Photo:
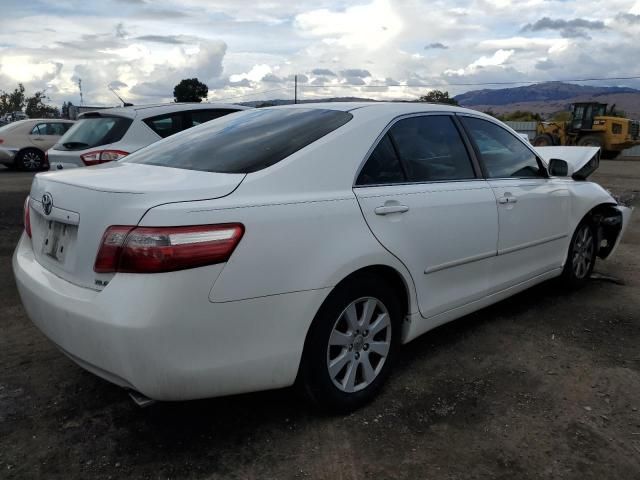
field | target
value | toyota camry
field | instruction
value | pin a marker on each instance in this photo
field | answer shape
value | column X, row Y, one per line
column 300, row 245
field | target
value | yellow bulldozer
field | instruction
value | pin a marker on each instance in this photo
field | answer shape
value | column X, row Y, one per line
column 591, row 125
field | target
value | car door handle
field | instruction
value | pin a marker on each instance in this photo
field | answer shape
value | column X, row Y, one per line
column 505, row 200
column 387, row 209
column 38, row 139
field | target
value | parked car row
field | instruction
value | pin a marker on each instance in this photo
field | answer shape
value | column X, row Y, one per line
column 294, row 245
column 100, row 136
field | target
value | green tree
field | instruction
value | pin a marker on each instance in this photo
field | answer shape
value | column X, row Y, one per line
column 190, row 90
column 36, row 108
column 12, row 101
column 438, row 96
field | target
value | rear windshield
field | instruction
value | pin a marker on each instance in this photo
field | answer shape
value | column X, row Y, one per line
column 244, row 142
column 93, row 132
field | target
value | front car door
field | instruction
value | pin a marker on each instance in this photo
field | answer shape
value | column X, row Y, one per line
column 46, row 134
column 424, row 199
column 533, row 209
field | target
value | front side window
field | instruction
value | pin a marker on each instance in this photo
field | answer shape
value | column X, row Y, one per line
column 431, row 149
column 502, row 153
column 246, row 142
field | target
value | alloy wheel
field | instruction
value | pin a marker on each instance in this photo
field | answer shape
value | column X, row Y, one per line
column 359, row 344
column 31, row 160
column 583, row 252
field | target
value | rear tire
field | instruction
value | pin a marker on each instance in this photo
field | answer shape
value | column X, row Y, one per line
column 351, row 344
column 581, row 257
column 30, row 160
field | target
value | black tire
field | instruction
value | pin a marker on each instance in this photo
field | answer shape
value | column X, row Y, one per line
column 581, row 257
column 314, row 378
column 30, row 160
column 543, row 140
column 590, row 141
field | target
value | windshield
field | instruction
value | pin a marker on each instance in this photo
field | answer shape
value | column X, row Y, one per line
column 243, row 142
column 94, row 132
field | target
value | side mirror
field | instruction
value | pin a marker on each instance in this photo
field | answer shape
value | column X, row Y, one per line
column 559, row 168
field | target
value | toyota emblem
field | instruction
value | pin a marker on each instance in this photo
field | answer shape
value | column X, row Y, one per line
column 47, row 203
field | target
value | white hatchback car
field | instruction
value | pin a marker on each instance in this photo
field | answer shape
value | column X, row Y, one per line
column 106, row 135
column 300, row 243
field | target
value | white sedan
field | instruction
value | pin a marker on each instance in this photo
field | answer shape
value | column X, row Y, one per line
column 300, row 244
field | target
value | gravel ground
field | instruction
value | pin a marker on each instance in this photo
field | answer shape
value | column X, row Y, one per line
column 543, row 385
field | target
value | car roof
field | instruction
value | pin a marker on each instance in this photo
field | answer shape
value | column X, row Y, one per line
column 145, row 111
column 383, row 108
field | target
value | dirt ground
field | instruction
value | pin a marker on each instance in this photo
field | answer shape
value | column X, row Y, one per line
column 543, row 385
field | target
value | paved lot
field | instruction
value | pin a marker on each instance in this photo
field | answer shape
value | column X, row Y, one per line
column 543, row 385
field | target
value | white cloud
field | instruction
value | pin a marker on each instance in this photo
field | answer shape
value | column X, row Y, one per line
column 363, row 26
column 495, row 60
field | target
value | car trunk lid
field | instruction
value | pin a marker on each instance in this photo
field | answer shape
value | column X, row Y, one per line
column 71, row 210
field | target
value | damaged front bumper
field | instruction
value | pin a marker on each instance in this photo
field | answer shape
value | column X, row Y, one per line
column 613, row 223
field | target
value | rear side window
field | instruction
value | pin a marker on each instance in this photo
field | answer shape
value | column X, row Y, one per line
column 502, row 153
column 198, row 117
column 89, row 132
column 383, row 166
column 431, row 149
column 247, row 142
column 167, row 124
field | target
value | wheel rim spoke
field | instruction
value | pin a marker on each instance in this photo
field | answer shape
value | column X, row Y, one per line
column 379, row 324
column 338, row 364
column 368, row 373
column 340, row 339
column 350, row 377
column 381, row 348
column 352, row 317
column 367, row 312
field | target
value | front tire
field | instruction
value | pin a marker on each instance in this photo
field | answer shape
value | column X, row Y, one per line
column 543, row 140
column 590, row 141
column 582, row 255
column 30, row 160
column 351, row 344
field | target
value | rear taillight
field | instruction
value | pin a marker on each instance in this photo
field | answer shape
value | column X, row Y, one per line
column 27, row 217
column 46, row 159
column 1, row 140
column 102, row 156
column 165, row 249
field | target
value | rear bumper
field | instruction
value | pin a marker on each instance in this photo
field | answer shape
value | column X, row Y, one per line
column 160, row 335
column 7, row 155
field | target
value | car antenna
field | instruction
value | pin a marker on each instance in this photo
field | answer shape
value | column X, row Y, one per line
column 124, row 104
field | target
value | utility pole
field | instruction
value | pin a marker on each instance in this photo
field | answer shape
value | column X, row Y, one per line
column 295, row 92
column 80, row 87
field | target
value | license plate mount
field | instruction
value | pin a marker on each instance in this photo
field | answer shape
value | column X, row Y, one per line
column 56, row 240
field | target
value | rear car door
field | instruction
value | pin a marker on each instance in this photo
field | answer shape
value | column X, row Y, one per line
column 533, row 209
column 424, row 200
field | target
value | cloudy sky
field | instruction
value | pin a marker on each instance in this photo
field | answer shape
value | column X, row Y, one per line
column 250, row 50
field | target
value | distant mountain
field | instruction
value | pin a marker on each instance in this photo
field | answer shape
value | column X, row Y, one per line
column 540, row 92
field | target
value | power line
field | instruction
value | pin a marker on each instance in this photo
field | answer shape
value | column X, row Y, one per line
column 251, row 94
column 470, row 84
